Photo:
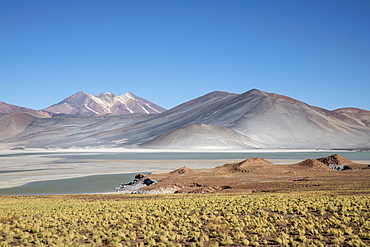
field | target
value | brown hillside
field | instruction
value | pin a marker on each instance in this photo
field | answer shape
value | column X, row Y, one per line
column 314, row 165
column 182, row 170
column 335, row 159
column 14, row 123
column 248, row 165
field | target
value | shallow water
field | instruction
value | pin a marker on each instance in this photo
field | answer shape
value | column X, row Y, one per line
column 89, row 184
column 214, row 155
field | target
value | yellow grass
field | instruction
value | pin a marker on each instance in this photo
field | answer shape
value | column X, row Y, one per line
column 185, row 220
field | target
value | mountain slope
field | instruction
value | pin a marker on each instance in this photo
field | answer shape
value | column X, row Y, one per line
column 8, row 108
column 128, row 103
column 273, row 120
column 201, row 136
column 16, row 122
column 283, row 122
column 83, row 104
column 251, row 119
column 188, row 113
column 78, row 104
column 360, row 116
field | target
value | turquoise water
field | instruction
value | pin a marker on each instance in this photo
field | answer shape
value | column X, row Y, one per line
column 353, row 155
column 215, row 156
column 90, row 184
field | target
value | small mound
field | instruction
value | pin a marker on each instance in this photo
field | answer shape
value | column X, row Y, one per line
column 182, row 170
column 249, row 165
column 314, row 165
column 335, row 159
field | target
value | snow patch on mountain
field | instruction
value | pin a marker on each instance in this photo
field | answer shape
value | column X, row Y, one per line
column 144, row 109
column 91, row 110
column 152, row 108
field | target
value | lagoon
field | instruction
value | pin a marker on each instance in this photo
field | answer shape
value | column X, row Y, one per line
column 81, row 185
column 25, row 173
column 217, row 155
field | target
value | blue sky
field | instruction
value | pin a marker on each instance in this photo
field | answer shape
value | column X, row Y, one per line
column 169, row 52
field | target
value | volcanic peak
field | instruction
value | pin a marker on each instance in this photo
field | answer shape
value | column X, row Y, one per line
column 84, row 104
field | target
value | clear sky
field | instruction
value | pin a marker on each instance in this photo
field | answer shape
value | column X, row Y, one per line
column 169, row 52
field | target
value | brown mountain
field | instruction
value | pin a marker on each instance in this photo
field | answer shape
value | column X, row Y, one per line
column 360, row 116
column 272, row 120
column 16, row 122
column 8, row 108
column 254, row 119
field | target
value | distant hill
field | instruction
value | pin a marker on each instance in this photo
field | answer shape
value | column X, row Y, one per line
column 8, row 108
column 16, row 122
column 254, row 119
column 272, row 120
column 360, row 116
column 83, row 104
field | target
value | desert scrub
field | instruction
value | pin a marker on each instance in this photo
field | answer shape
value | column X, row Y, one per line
column 185, row 220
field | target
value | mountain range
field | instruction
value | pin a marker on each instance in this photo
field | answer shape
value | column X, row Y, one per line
column 218, row 120
column 84, row 104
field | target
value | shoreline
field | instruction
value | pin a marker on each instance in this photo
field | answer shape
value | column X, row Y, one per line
column 125, row 150
column 20, row 167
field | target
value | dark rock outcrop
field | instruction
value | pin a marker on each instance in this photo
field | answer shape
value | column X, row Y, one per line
column 132, row 187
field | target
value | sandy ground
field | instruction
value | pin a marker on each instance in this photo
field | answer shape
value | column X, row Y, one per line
column 18, row 167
